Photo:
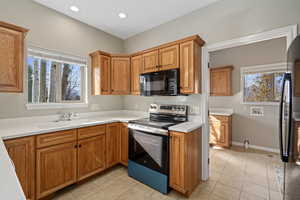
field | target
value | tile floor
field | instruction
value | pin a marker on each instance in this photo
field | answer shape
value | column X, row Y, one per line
column 235, row 175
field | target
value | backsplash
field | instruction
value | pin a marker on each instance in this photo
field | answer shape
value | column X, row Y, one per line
column 142, row 103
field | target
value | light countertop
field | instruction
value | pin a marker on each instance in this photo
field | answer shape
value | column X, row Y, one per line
column 21, row 127
column 186, row 127
column 221, row 111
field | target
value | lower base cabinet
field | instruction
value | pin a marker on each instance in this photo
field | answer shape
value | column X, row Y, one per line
column 22, row 154
column 66, row 157
column 112, row 144
column 220, row 130
column 56, row 168
column 185, row 161
column 124, row 145
column 91, row 156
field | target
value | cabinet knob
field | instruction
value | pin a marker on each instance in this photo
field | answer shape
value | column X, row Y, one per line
column 75, row 146
column 79, row 145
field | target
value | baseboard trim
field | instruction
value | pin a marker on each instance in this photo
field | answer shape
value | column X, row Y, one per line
column 257, row 147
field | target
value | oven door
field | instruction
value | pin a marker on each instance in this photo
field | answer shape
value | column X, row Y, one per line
column 163, row 83
column 150, row 150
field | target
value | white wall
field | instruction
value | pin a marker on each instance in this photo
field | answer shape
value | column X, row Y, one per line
column 261, row 131
column 224, row 20
column 52, row 30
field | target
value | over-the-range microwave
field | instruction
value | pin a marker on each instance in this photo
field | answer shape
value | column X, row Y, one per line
column 162, row 83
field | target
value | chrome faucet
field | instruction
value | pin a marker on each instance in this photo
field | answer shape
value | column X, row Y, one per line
column 67, row 116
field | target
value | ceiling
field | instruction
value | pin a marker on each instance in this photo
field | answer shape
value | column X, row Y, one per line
column 142, row 15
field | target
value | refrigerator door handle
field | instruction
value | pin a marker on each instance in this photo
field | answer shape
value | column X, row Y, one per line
column 285, row 115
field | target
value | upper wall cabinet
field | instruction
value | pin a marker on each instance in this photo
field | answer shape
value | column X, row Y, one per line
column 190, row 67
column 11, row 57
column 150, row 61
column 120, row 75
column 136, row 65
column 169, row 57
column 220, row 81
column 101, row 69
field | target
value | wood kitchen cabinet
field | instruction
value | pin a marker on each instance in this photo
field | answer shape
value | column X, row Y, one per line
column 112, row 144
column 296, row 140
column 220, row 130
column 56, row 168
column 136, row 66
column 190, row 67
column 91, row 150
column 101, row 73
column 221, row 81
column 169, row 57
column 120, row 75
column 185, row 161
column 297, row 80
column 11, row 57
column 150, row 61
column 22, row 153
column 124, row 144
column 91, row 156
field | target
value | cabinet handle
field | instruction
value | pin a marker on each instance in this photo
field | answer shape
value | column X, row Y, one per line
column 79, row 145
column 75, row 146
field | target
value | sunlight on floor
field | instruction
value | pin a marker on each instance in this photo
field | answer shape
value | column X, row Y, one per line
column 235, row 175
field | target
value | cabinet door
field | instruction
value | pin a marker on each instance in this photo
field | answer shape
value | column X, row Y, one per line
column 136, row 65
column 56, row 168
column 120, row 76
column 169, row 57
column 220, row 130
column 296, row 140
column 150, row 61
column 21, row 152
column 124, row 144
column 177, row 161
column 91, row 156
column 101, row 74
column 220, row 81
column 190, row 68
column 105, row 63
column 296, row 79
column 112, row 144
column 11, row 59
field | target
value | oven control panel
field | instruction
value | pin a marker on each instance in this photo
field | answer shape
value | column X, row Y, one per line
column 168, row 109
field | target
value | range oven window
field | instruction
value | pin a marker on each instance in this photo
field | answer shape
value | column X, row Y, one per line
column 149, row 150
column 160, row 83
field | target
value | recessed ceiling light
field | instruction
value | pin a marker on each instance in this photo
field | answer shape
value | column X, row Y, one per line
column 122, row 15
column 74, row 8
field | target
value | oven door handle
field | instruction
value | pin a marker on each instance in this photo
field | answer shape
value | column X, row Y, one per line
column 148, row 129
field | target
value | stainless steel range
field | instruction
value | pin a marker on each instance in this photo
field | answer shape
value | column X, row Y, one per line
column 149, row 145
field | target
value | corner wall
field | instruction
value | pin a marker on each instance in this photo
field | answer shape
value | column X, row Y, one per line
column 52, row 30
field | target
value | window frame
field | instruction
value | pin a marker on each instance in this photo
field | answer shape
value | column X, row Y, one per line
column 263, row 69
column 61, row 59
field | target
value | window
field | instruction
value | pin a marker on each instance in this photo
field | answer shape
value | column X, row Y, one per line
column 262, row 84
column 55, row 79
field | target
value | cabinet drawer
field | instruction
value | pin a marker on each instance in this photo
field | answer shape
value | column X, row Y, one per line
column 59, row 137
column 91, row 131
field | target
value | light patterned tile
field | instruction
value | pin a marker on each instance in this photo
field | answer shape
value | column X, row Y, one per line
column 250, row 196
column 226, row 192
column 255, row 189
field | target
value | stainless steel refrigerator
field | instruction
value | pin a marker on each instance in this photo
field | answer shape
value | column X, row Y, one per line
column 288, row 136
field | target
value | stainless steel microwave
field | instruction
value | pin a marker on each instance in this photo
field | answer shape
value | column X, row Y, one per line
column 162, row 83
